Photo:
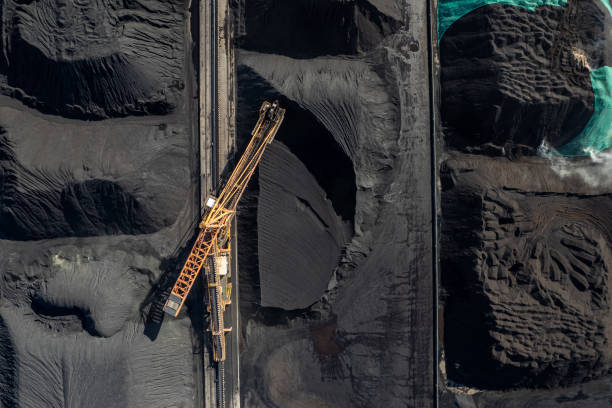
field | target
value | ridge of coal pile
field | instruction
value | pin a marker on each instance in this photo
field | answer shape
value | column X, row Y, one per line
column 334, row 253
column 87, row 208
column 93, row 60
column 525, row 250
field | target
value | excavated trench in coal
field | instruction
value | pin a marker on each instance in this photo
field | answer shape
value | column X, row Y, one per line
column 68, row 318
column 465, row 327
column 311, row 28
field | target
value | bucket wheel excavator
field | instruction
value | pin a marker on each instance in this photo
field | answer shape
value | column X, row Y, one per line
column 212, row 246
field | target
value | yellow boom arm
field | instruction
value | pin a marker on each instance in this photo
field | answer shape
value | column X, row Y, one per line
column 213, row 238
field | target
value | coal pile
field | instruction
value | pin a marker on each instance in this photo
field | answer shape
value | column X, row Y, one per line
column 525, row 237
column 526, row 271
column 93, row 60
column 336, row 301
column 93, row 209
column 509, row 75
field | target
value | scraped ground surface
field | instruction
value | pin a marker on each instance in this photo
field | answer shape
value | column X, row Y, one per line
column 91, row 212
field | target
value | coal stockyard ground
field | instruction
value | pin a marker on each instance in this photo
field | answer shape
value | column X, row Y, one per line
column 426, row 230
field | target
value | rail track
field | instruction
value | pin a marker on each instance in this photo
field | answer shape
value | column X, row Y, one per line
column 214, row 107
column 215, row 154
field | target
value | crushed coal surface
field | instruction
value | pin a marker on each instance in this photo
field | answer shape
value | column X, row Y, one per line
column 510, row 75
column 524, row 247
column 525, row 271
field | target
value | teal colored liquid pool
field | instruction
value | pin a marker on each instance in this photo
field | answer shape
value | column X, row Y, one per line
column 597, row 134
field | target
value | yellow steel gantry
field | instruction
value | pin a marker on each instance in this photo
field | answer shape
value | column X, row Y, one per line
column 212, row 247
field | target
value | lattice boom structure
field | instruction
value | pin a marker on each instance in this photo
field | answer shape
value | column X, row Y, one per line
column 212, row 247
